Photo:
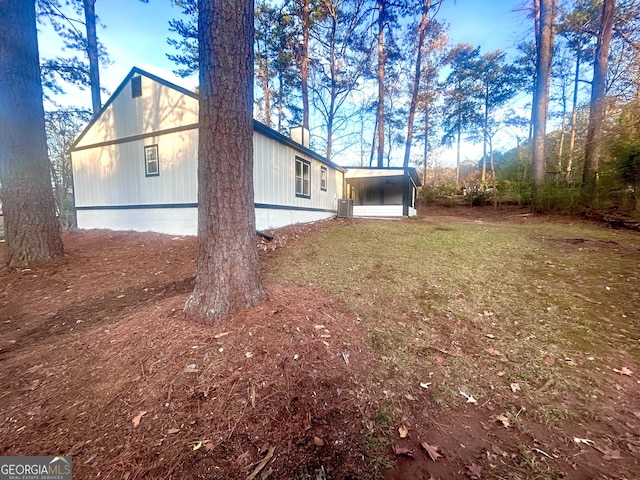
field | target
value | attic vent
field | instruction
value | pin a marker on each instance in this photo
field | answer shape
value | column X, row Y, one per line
column 136, row 87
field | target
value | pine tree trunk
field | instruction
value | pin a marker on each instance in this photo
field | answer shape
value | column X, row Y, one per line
column 485, row 135
column 422, row 29
column 228, row 276
column 544, row 45
column 261, row 65
column 574, row 114
column 92, row 53
column 333, row 92
column 31, row 228
column 425, row 154
column 596, row 110
column 381, row 63
column 459, row 143
column 561, row 143
column 306, row 19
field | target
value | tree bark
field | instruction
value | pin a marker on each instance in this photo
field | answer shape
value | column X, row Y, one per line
column 458, row 145
column 32, row 230
column 381, row 64
column 422, row 30
column 597, row 104
column 304, row 68
column 262, row 65
column 425, row 154
column 485, row 134
column 574, row 113
column 92, row 53
column 228, row 275
column 545, row 32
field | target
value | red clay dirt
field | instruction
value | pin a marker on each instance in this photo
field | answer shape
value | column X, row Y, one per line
column 97, row 361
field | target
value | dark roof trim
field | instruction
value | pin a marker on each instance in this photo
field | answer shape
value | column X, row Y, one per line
column 257, row 126
column 412, row 172
column 271, row 133
column 146, row 206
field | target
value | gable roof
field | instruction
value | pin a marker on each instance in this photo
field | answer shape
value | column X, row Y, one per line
column 257, row 126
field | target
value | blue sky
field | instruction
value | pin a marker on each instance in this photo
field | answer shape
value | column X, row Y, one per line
column 135, row 35
column 494, row 25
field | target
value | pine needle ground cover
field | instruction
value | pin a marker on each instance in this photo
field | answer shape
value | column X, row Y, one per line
column 463, row 344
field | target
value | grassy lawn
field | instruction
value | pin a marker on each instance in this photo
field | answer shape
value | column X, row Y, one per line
column 529, row 318
column 505, row 345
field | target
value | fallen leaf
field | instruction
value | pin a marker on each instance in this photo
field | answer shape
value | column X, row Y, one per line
column 172, row 431
column 410, row 397
column 475, row 470
column 402, row 451
column 345, row 357
column 248, row 354
column 137, row 418
column 611, row 454
column 35, row 410
column 493, row 351
column 244, row 458
column 515, row 387
column 469, row 398
column 485, row 425
column 77, row 448
column 623, row 371
column 425, row 385
column 318, row 441
column 432, row 451
column 403, row 431
column 505, row 421
column 498, row 451
column 489, row 335
column 586, row 441
column 306, row 422
column 203, row 443
column 34, row 368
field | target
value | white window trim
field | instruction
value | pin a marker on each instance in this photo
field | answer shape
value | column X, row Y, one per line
column 147, row 171
column 305, row 165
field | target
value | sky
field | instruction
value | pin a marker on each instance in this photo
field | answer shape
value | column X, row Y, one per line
column 135, row 34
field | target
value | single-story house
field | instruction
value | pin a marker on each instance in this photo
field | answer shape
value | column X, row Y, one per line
column 382, row 192
column 135, row 166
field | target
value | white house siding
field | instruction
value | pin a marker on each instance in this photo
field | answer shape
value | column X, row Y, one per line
column 274, row 176
column 114, row 175
column 377, row 211
column 159, row 108
column 172, row 221
column 113, row 192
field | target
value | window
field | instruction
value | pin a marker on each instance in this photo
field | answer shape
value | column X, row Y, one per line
column 136, row 87
column 151, row 163
column 323, row 179
column 303, row 177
